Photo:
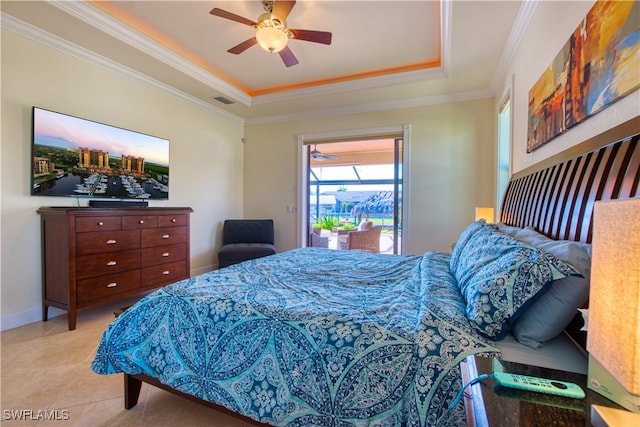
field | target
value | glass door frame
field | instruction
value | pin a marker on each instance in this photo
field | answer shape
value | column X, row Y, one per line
column 305, row 141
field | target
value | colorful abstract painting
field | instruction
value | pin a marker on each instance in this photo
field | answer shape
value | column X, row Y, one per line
column 599, row 65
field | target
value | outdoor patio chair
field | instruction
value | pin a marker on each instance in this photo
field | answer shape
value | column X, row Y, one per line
column 317, row 241
column 366, row 240
column 343, row 235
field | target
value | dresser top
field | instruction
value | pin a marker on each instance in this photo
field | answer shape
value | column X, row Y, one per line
column 90, row 210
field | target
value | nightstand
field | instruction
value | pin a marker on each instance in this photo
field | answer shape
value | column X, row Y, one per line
column 496, row 407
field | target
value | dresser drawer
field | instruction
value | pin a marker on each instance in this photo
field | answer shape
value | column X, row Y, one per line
column 163, row 254
column 163, row 236
column 105, row 287
column 107, row 263
column 139, row 221
column 164, row 274
column 97, row 223
column 172, row 220
column 107, row 241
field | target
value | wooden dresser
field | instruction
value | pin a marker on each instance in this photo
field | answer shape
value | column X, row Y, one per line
column 94, row 255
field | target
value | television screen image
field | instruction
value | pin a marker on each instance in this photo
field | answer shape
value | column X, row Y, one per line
column 76, row 157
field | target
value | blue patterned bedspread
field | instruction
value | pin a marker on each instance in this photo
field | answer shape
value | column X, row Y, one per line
column 307, row 337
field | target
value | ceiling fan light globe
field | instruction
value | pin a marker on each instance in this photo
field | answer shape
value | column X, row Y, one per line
column 271, row 39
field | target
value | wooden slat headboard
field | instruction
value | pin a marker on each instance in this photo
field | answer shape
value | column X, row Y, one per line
column 556, row 197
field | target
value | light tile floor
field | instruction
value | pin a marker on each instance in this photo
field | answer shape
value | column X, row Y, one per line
column 46, row 367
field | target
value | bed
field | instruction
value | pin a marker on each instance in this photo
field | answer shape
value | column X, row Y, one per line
column 314, row 336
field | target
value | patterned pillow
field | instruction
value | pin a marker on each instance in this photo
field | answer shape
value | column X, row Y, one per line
column 500, row 276
column 466, row 234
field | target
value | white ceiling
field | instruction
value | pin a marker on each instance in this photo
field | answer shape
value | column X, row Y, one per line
column 384, row 54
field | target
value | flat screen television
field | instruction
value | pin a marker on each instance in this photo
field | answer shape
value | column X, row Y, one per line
column 76, row 157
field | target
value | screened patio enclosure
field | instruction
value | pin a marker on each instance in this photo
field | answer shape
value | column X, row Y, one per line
column 355, row 181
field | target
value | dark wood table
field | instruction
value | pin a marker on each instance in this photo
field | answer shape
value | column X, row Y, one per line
column 489, row 405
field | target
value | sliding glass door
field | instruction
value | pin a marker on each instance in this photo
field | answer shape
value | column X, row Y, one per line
column 354, row 182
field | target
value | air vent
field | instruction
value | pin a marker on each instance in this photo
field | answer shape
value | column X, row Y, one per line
column 223, row 100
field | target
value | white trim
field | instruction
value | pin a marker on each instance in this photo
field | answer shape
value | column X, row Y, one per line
column 33, row 315
column 102, row 21
column 520, row 25
column 351, row 133
column 445, row 33
column 303, row 170
column 406, row 187
column 114, row 28
column 351, row 85
column 26, row 30
column 96, row 18
column 303, row 187
column 22, row 318
column 368, row 108
column 507, row 93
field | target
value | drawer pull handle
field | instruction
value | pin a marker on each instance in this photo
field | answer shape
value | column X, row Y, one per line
column 173, row 220
column 141, row 221
column 165, row 236
column 111, row 242
column 166, row 254
column 165, row 273
column 112, row 285
column 111, row 263
column 100, row 224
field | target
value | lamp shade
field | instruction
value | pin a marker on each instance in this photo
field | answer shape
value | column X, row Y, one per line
column 613, row 337
column 485, row 213
column 271, row 39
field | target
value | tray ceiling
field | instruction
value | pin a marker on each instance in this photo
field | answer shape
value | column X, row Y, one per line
column 383, row 54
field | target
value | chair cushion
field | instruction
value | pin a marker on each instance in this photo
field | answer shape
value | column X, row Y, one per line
column 365, row 225
column 245, row 251
column 248, row 231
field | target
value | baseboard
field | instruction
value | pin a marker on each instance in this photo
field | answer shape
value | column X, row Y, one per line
column 22, row 318
column 202, row 270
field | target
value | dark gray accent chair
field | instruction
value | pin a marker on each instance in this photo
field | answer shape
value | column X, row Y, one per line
column 245, row 239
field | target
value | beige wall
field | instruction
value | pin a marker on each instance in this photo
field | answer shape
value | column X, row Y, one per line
column 451, row 148
column 451, row 166
column 549, row 30
column 206, row 157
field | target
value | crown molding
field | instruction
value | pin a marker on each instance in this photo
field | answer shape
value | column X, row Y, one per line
column 445, row 32
column 351, row 85
column 96, row 18
column 31, row 32
column 520, row 26
column 369, row 108
column 103, row 22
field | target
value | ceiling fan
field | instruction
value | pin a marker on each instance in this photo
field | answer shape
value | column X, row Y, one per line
column 316, row 155
column 272, row 33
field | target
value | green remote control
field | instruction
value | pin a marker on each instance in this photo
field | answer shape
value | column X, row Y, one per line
column 542, row 385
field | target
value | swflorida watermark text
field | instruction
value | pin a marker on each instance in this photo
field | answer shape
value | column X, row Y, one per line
column 35, row 414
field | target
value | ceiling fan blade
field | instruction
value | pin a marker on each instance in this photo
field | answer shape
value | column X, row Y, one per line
column 281, row 9
column 322, row 157
column 288, row 57
column 232, row 16
column 317, row 155
column 323, row 37
column 238, row 49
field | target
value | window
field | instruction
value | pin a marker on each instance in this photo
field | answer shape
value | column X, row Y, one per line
column 504, row 148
